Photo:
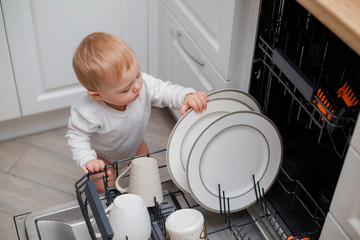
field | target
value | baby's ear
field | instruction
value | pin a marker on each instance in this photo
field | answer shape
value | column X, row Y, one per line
column 95, row 95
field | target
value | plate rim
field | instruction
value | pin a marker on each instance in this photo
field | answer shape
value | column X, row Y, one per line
column 275, row 174
column 176, row 127
column 243, row 93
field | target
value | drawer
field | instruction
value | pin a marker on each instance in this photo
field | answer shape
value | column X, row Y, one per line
column 210, row 24
column 221, row 29
column 183, row 62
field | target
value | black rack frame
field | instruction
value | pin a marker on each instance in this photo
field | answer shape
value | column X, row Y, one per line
column 262, row 210
column 311, row 63
column 282, row 69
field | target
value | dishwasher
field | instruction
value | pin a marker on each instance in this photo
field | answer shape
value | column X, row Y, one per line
column 86, row 219
column 260, row 221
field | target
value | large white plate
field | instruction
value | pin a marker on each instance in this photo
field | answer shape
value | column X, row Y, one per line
column 238, row 95
column 229, row 152
column 185, row 132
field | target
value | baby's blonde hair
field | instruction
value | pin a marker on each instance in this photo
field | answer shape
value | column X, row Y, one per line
column 101, row 57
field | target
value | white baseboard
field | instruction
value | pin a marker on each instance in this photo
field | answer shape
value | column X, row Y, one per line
column 32, row 124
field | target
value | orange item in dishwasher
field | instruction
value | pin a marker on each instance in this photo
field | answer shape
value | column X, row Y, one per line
column 347, row 94
column 324, row 110
column 295, row 238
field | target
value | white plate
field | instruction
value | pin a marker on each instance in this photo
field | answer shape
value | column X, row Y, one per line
column 236, row 94
column 229, row 152
column 185, row 132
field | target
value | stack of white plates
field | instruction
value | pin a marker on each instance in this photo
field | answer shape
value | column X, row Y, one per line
column 227, row 145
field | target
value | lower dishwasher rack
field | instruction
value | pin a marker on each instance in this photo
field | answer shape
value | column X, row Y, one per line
column 286, row 211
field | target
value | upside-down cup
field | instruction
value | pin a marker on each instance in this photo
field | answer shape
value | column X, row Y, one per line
column 185, row 224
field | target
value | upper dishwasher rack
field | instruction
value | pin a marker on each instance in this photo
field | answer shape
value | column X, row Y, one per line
column 318, row 74
column 315, row 102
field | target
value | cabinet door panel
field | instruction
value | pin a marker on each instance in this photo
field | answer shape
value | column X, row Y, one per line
column 345, row 206
column 332, row 230
column 57, row 36
column 224, row 30
column 179, row 67
column 210, row 24
column 178, row 60
column 43, row 36
column 9, row 104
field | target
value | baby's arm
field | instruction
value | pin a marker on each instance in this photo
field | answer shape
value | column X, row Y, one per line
column 173, row 95
column 82, row 124
column 197, row 101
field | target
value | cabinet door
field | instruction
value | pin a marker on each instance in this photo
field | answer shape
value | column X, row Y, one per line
column 210, row 24
column 183, row 62
column 43, row 35
column 9, row 104
column 332, row 230
column 217, row 27
column 345, row 206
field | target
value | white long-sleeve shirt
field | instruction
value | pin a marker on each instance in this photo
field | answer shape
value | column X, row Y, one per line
column 95, row 128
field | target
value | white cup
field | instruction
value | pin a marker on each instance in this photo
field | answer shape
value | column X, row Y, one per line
column 129, row 217
column 144, row 180
column 185, row 224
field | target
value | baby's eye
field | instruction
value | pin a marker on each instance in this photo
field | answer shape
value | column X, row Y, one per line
column 124, row 91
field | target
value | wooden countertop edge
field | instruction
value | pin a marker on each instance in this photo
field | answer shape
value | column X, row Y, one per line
column 332, row 16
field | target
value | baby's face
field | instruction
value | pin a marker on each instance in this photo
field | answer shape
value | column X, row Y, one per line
column 118, row 94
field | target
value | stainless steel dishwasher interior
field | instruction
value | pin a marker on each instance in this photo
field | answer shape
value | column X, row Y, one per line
column 259, row 221
column 63, row 221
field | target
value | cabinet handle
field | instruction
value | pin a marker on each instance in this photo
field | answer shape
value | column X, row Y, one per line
column 197, row 60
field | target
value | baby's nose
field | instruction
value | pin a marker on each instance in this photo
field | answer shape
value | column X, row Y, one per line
column 137, row 87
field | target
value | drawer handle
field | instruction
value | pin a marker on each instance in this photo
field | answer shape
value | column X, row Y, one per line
column 197, row 60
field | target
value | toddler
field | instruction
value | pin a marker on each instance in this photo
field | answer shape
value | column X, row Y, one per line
column 109, row 123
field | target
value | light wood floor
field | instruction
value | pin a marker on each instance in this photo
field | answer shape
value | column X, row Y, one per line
column 37, row 171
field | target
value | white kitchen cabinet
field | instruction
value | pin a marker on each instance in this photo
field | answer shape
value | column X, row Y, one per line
column 332, row 230
column 223, row 30
column 217, row 35
column 343, row 218
column 183, row 62
column 345, row 207
column 208, row 45
column 37, row 41
column 43, row 35
column 210, row 23
column 9, row 104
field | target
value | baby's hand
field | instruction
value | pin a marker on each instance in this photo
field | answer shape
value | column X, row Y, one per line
column 196, row 101
column 94, row 165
